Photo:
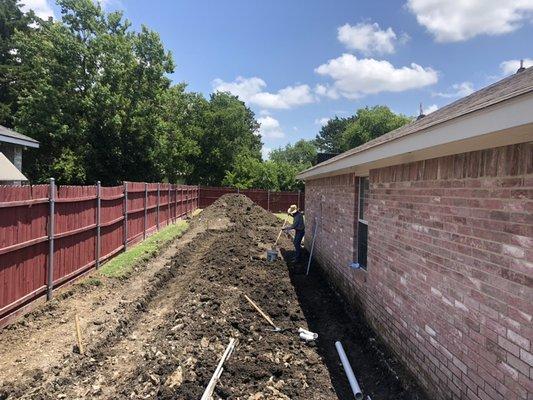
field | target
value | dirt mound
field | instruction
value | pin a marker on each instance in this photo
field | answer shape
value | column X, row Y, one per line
column 167, row 343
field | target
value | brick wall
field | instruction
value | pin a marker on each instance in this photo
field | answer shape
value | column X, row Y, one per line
column 449, row 285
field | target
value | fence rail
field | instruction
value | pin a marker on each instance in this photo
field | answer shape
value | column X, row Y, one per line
column 50, row 235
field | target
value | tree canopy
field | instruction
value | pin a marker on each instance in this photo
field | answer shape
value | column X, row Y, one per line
column 97, row 96
column 329, row 139
column 370, row 123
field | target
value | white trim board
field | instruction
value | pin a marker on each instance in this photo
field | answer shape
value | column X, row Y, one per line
column 503, row 124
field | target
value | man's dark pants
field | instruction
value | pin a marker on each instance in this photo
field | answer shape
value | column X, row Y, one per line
column 298, row 236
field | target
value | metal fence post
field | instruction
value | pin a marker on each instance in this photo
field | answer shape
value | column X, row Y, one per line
column 125, row 216
column 145, row 209
column 51, row 226
column 169, row 203
column 98, row 222
column 158, row 195
column 299, row 199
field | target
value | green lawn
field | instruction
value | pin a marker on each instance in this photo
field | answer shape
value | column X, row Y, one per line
column 122, row 265
column 282, row 216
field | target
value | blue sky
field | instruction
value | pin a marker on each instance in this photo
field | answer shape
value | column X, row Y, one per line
column 297, row 63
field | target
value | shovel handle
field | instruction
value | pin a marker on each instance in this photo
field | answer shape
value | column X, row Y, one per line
column 281, row 230
column 265, row 316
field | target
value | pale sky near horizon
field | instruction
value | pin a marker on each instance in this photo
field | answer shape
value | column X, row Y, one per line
column 298, row 63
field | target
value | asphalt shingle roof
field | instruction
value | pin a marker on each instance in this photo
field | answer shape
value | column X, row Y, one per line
column 11, row 133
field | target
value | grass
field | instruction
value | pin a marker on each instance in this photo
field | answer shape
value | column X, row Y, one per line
column 90, row 282
column 124, row 263
column 282, row 216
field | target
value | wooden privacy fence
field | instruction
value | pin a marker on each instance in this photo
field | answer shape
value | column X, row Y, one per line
column 269, row 200
column 50, row 235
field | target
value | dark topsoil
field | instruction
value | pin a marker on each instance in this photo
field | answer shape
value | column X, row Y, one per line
column 205, row 286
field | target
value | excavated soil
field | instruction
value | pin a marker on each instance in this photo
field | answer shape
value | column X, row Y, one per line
column 165, row 341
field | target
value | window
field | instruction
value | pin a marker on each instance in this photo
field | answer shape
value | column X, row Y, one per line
column 362, row 224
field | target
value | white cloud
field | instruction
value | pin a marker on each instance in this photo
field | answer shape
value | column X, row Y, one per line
column 41, row 8
column 453, row 21
column 326, row 91
column 251, row 90
column 457, row 90
column 321, row 121
column 270, row 128
column 430, row 109
column 354, row 78
column 367, row 38
column 510, row 67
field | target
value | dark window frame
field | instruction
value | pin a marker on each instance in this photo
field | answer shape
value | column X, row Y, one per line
column 362, row 224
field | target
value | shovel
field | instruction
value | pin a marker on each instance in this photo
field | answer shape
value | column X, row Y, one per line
column 272, row 254
column 264, row 315
column 280, row 232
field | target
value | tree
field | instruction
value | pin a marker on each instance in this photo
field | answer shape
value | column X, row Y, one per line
column 92, row 91
column 229, row 130
column 370, row 123
column 251, row 173
column 12, row 19
column 302, row 153
column 329, row 139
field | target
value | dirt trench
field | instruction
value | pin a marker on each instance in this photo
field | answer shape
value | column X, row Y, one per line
column 165, row 342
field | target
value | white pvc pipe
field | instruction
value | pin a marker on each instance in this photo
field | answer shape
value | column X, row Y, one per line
column 349, row 372
column 208, row 393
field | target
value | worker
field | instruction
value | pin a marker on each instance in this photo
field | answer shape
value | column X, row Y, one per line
column 299, row 230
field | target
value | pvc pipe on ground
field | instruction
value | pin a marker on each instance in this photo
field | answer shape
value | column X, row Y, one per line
column 349, row 372
column 218, row 371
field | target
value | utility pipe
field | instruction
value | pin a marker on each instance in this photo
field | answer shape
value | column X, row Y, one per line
column 349, row 372
column 208, row 393
column 312, row 247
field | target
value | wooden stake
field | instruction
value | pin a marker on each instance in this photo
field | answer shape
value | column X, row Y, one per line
column 78, row 334
column 263, row 314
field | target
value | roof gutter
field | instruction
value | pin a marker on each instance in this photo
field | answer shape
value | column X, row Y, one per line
column 505, row 123
column 21, row 142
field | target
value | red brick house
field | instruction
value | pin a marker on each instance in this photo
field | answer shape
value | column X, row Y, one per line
column 428, row 231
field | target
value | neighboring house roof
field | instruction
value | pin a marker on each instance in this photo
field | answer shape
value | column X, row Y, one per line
column 507, row 89
column 10, row 136
column 8, row 172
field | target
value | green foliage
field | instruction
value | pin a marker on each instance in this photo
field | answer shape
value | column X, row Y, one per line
column 251, row 173
column 302, row 153
column 277, row 173
column 97, row 96
column 329, row 139
column 370, row 123
column 12, row 19
column 229, row 132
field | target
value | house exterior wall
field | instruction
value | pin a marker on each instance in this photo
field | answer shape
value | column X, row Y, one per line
column 449, row 285
column 13, row 153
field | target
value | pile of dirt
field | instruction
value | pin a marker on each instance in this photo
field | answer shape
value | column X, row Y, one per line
column 167, row 343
